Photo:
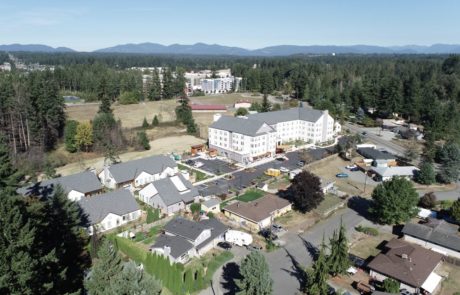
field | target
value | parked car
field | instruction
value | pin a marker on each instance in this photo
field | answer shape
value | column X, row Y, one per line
column 341, row 175
column 364, row 133
column 300, row 163
column 225, row 245
column 284, row 169
column 351, row 166
column 198, row 164
column 254, row 247
column 277, row 226
column 190, row 162
column 280, row 159
column 354, row 169
column 268, row 234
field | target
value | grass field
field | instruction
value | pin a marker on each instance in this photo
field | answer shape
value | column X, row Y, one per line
column 248, row 196
column 366, row 245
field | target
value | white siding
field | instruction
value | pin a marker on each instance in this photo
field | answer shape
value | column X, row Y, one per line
column 431, row 246
column 75, row 196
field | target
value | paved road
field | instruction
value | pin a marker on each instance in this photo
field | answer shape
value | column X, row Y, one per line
column 390, row 146
column 446, row 195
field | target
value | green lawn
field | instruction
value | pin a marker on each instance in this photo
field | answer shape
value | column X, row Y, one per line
column 248, row 196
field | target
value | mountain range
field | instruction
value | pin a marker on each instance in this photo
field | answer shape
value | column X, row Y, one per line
column 215, row 49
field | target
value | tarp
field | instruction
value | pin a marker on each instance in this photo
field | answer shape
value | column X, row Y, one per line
column 432, row 282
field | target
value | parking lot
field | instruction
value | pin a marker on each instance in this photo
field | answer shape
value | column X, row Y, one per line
column 216, row 166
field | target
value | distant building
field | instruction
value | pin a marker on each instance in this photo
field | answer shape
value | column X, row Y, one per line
column 208, row 108
column 212, row 205
column 376, row 157
column 6, row 66
column 387, row 173
column 245, row 104
column 218, row 85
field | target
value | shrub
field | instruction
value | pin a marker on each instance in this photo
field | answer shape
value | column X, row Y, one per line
column 195, row 208
column 367, row 230
column 143, row 140
column 428, row 200
column 153, row 215
column 128, row 97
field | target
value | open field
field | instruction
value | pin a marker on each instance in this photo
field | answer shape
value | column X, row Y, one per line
column 449, row 285
column 159, row 146
column 329, row 204
column 365, row 245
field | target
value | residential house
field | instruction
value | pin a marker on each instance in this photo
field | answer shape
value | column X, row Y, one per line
column 257, row 214
column 76, row 186
column 435, row 235
column 212, row 205
column 110, row 210
column 170, row 194
column 138, row 173
column 412, row 265
column 248, row 139
column 184, row 239
column 387, row 173
column 378, row 158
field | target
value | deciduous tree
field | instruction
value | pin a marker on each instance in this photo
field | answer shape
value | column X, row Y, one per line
column 305, row 191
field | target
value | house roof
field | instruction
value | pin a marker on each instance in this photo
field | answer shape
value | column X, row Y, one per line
column 304, row 114
column 190, row 230
column 172, row 190
column 178, row 245
column 208, row 107
column 408, row 263
column 395, row 171
column 259, row 209
column 440, row 233
column 84, row 182
column 217, row 229
column 127, row 171
column 118, row 202
column 211, row 202
column 241, row 125
column 371, row 153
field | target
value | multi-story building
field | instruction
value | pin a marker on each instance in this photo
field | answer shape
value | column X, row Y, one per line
column 218, row 85
column 247, row 139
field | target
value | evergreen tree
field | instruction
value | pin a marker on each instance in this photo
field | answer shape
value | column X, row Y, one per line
column 155, row 121
column 154, row 91
column 241, row 112
column 426, row 174
column 256, row 275
column 143, row 140
column 394, row 201
column 316, row 283
column 105, row 269
column 450, row 162
column 455, row 210
column 9, row 177
column 132, row 281
column 428, row 201
column 145, row 124
column 338, row 260
column 266, row 105
column 168, row 84
column 69, row 136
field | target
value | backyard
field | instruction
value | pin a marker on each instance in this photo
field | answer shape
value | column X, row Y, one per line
column 248, row 196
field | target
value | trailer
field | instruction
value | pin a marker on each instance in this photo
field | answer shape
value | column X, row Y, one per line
column 238, row 237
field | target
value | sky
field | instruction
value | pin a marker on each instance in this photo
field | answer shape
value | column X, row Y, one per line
column 86, row 25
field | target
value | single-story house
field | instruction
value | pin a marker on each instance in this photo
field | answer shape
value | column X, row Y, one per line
column 379, row 158
column 242, row 104
column 387, row 173
column 137, row 173
column 170, row 194
column 412, row 265
column 208, row 108
column 257, row 214
column 76, row 186
column 435, row 235
column 184, row 239
column 327, row 186
column 110, row 210
column 211, row 205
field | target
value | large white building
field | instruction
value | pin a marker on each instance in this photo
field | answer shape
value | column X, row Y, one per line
column 218, row 85
column 247, row 139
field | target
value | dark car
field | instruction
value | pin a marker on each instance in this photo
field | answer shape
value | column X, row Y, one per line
column 280, row 159
column 354, row 169
column 190, row 162
column 268, row 234
column 225, row 245
column 301, row 163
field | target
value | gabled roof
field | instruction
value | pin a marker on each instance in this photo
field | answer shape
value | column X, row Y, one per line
column 259, row 209
column 440, row 233
column 395, row 171
column 127, row 171
column 375, row 154
column 84, row 182
column 217, row 229
column 118, row 202
column 304, row 114
column 172, row 190
column 190, row 230
column 241, row 125
column 211, row 202
column 178, row 245
column 408, row 263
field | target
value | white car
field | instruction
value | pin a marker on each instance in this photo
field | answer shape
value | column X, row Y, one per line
column 198, row 164
column 284, row 169
column 351, row 166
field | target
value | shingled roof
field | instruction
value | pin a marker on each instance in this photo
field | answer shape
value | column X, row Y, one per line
column 127, row 171
column 84, row 182
column 170, row 193
column 304, row 114
column 241, row 125
column 178, row 245
column 436, row 232
column 119, row 202
column 408, row 263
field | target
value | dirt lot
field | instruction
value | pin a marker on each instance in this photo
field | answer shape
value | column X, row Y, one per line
column 329, row 168
column 159, row 146
column 450, row 284
column 365, row 245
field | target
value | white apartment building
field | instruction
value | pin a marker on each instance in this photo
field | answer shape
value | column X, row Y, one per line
column 247, row 139
column 218, row 85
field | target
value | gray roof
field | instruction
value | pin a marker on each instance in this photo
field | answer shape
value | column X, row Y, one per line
column 240, row 125
column 375, row 154
column 169, row 193
column 217, row 229
column 84, row 182
column 304, row 114
column 118, row 202
column 211, row 202
column 178, row 245
column 191, row 230
column 127, row 171
column 440, row 233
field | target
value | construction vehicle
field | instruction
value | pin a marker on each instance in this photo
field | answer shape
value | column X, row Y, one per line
column 273, row 172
